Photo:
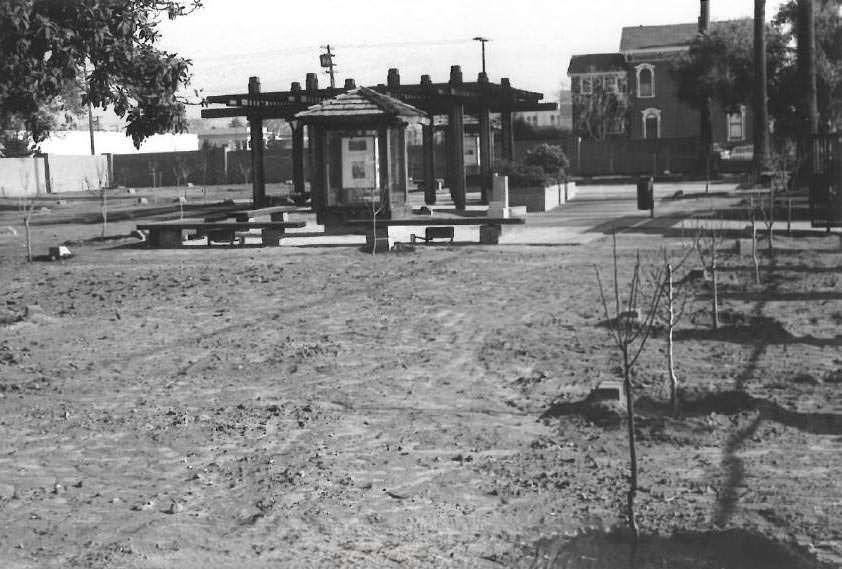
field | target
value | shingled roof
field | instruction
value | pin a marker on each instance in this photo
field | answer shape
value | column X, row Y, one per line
column 674, row 35
column 597, row 62
column 362, row 102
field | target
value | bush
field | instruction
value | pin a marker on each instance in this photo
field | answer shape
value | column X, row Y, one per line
column 520, row 175
column 551, row 159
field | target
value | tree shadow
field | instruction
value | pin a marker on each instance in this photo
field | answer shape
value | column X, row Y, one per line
column 758, row 331
column 731, row 549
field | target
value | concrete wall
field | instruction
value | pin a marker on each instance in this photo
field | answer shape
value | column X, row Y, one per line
column 77, row 173
column 20, row 177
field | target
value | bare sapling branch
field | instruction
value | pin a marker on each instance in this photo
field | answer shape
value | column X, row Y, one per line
column 629, row 330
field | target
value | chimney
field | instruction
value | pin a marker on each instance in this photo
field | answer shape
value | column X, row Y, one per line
column 295, row 87
column 311, row 83
column 482, row 77
column 350, row 83
column 426, row 81
column 505, row 83
column 254, row 85
column 704, row 17
column 393, row 80
column 455, row 75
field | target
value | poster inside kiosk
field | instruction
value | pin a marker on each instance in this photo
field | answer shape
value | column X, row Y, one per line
column 360, row 169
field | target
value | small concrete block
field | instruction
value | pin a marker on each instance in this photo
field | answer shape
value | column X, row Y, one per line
column 517, row 211
column 60, row 252
column 279, row 216
column 272, row 236
column 489, row 234
column 131, row 191
column 142, row 201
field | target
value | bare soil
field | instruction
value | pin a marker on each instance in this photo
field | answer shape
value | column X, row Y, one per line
column 319, row 407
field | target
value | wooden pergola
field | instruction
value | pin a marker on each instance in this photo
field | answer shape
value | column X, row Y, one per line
column 453, row 99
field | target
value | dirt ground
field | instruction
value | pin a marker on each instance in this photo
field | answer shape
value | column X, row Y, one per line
column 319, row 407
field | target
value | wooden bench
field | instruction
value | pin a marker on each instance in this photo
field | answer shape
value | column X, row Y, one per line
column 171, row 233
column 490, row 228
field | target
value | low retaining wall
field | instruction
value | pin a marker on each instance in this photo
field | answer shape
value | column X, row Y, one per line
column 545, row 198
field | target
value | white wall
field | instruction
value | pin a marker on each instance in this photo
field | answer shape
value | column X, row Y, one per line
column 20, row 177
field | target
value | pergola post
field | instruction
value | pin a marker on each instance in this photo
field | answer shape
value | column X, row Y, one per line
column 485, row 154
column 456, row 148
column 256, row 127
column 298, row 158
column 508, row 125
column 429, row 162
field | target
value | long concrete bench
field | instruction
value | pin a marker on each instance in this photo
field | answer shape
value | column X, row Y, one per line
column 171, row 234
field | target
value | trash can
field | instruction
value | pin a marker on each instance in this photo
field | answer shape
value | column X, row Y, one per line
column 645, row 189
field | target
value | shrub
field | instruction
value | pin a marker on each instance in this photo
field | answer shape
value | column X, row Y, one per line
column 551, row 159
column 520, row 175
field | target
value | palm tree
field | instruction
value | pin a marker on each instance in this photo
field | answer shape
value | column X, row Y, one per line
column 761, row 112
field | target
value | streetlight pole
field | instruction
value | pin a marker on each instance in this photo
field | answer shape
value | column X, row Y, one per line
column 483, row 41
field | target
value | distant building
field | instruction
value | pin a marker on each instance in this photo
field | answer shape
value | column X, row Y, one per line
column 561, row 118
column 644, row 102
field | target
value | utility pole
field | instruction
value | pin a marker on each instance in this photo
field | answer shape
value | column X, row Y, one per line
column 483, row 41
column 705, row 128
column 326, row 61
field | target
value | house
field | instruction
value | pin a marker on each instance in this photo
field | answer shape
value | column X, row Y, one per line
column 632, row 92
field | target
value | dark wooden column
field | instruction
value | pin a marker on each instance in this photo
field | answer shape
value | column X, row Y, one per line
column 485, row 153
column 429, row 163
column 298, row 158
column 508, row 135
column 456, row 156
column 508, row 124
column 256, row 126
column 456, row 144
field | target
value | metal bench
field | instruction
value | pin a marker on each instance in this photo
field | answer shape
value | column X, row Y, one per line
column 433, row 233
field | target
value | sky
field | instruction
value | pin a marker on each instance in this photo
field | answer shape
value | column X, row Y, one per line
column 531, row 40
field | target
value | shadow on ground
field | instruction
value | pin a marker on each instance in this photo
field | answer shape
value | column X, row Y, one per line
column 731, row 549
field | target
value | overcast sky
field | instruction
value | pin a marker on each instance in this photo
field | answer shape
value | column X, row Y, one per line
column 532, row 40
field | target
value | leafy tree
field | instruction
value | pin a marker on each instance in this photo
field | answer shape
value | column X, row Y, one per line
column 828, row 33
column 45, row 45
column 720, row 65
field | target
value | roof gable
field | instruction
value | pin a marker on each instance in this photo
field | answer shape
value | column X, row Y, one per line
column 674, row 35
column 362, row 102
column 596, row 63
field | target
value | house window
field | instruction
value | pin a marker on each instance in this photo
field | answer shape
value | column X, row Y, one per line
column 622, row 85
column 736, row 124
column 616, row 126
column 651, row 123
column 645, row 80
column 611, row 84
column 575, row 84
column 587, row 86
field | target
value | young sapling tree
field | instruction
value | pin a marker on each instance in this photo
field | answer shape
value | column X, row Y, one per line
column 630, row 329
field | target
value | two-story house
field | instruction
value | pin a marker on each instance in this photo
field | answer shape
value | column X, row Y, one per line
column 649, row 95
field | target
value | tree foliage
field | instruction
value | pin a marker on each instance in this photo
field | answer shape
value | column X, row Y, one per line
column 46, row 44
column 720, row 66
column 828, row 21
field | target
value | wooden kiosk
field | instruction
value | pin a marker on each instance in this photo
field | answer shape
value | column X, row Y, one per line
column 359, row 155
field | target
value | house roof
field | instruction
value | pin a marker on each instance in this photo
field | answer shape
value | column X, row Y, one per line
column 361, row 102
column 674, row 35
column 596, row 62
